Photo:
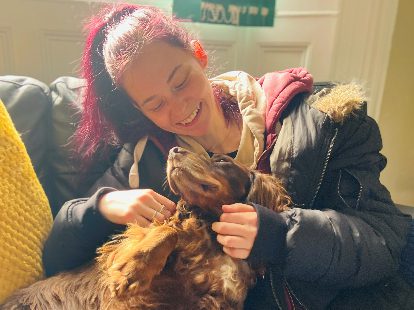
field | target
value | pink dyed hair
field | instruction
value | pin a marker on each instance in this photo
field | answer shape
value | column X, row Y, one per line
column 109, row 117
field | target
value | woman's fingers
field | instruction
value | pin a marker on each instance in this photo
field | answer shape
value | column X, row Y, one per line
column 236, row 253
column 152, row 210
column 141, row 221
column 237, row 207
column 237, row 229
column 234, row 229
column 245, row 218
column 153, row 206
column 164, row 201
column 157, row 207
column 233, row 242
column 135, row 206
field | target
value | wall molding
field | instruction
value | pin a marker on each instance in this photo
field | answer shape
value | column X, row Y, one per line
column 295, row 47
column 51, row 39
column 301, row 14
column 59, row 1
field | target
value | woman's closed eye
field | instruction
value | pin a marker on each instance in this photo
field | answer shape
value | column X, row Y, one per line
column 181, row 84
column 156, row 106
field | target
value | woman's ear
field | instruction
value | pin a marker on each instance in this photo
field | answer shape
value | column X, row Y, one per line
column 199, row 53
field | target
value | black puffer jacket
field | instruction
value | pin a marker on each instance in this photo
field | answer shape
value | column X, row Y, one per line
column 344, row 233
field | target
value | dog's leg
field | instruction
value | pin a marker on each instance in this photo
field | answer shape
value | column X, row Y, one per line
column 133, row 263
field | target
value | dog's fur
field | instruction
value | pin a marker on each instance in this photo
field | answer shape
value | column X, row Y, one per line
column 173, row 265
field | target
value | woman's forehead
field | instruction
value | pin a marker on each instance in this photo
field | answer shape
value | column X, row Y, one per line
column 155, row 65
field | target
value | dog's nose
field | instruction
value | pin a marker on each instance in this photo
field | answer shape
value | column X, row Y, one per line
column 178, row 150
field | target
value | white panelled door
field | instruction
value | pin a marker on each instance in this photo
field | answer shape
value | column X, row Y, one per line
column 336, row 40
column 303, row 35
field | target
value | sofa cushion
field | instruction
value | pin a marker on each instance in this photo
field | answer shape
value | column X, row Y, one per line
column 25, row 217
column 68, row 182
column 66, row 94
column 29, row 104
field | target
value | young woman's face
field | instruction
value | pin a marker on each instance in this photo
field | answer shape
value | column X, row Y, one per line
column 169, row 86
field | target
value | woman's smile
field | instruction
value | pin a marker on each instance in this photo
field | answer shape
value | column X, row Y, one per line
column 192, row 118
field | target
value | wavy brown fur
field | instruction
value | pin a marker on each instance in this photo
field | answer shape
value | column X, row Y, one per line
column 264, row 193
column 172, row 265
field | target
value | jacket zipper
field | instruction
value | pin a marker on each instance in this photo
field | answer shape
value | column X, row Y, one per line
column 273, row 289
column 296, row 297
column 325, row 164
column 290, row 292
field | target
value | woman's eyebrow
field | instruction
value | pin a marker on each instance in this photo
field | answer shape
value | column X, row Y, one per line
column 173, row 73
column 148, row 100
column 168, row 80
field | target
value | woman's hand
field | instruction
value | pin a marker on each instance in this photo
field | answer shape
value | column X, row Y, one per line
column 141, row 206
column 237, row 229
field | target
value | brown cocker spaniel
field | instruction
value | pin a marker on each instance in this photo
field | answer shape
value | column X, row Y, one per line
column 177, row 264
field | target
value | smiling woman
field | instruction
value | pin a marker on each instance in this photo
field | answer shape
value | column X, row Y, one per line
column 147, row 86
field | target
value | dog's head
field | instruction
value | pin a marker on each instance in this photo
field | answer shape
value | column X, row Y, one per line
column 209, row 183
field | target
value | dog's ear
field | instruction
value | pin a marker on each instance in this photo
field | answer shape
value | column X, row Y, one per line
column 269, row 192
column 130, row 263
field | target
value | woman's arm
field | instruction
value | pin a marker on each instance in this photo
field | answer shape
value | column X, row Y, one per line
column 78, row 230
column 82, row 225
column 353, row 234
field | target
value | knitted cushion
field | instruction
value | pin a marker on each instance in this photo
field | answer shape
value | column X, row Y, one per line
column 25, row 217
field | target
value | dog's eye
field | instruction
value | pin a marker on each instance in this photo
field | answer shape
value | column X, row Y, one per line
column 207, row 187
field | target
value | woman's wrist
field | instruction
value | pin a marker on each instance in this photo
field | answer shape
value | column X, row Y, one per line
column 270, row 243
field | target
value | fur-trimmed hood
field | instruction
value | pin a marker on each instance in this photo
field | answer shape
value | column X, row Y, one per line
column 339, row 102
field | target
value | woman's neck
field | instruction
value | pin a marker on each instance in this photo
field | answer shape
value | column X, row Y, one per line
column 222, row 141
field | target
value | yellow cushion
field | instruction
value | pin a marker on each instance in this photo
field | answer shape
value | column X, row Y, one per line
column 25, row 217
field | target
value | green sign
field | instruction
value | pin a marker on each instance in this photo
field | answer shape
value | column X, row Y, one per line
column 228, row 12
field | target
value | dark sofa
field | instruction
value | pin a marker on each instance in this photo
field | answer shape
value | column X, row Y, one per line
column 46, row 116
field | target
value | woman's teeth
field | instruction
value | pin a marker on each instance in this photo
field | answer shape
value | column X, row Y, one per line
column 191, row 117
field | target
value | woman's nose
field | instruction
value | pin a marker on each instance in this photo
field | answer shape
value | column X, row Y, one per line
column 179, row 106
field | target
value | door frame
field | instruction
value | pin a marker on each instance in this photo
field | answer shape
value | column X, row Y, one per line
column 363, row 44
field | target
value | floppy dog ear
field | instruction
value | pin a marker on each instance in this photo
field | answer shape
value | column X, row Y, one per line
column 269, row 192
column 130, row 262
